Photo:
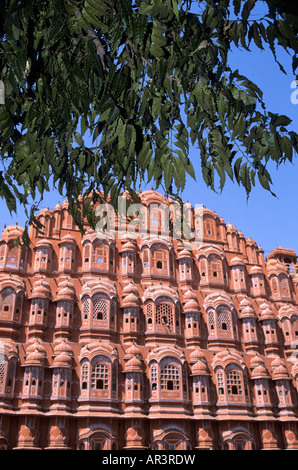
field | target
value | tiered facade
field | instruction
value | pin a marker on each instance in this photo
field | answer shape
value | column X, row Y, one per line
column 145, row 342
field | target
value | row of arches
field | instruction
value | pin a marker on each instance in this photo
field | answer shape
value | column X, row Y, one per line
column 159, row 312
column 138, row 434
column 154, row 258
column 167, row 380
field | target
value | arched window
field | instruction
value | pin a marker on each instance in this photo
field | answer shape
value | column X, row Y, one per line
column 224, row 321
column 7, row 303
column 231, row 384
column 234, row 383
column 101, row 256
column 215, row 270
column 149, row 314
column 220, row 382
column 169, row 377
column 100, row 309
column 87, row 254
column 153, row 377
column 165, row 315
column 100, row 376
column 85, row 376
column 160, row 261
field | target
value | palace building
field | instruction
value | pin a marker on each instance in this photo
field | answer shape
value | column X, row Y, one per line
column 146, row 342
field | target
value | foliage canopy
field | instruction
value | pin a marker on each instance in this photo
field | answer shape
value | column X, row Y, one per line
column 143, row 80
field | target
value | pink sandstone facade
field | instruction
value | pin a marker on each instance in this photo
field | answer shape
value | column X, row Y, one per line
column 145, row 344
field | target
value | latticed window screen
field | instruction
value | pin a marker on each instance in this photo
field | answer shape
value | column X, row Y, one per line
column 234, row 384
column 220, row 381
column 153, row 374
column 11, row 370
column 164, row 314
column 169, row 378
column 2, row 373
column 84, row 374
column 199, row 383
column 86, row 306
column 100, row 309
column 224, row 321
column 211, row 319
column 100, row 377
column 149, row 312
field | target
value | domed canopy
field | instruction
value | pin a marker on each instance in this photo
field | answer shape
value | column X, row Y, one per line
column 279, row 370
column 200, row 368
column 196, row 355
column 236, row 261
column 246, row 309
column 130, row 296
column 134, row 365
column 68, row 239
column 260, row 372
column 266, row 312
column 41, row 289
column 66, row 290
column 133, row 351
column 63, row 355
column 35, row 354
column 12, row 232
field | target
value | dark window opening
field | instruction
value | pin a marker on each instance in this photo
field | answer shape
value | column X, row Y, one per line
column 170, row 385
column 99, row 384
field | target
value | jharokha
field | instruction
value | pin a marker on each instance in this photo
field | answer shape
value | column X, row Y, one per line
column 142, row 343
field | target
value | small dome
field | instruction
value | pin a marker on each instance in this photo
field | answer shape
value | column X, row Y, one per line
column 63, row 360
column 196, row 355
column 44, row 244
column 66, row 290
column 41, row 289
column 260, row 372
column 256, row 361
column 63, row 347
column 35, row 354
column 68, row 239
column 189, row 295
column 12, row 232
column 130, row 296
column 191, row 306
column 236, row 261
column 45, row 212
column 134, row 365
column 130, row 300
column 266, row 312
column 280, row 372
column 200, row 368
column 246, row 309
column 130, row 289
column 256, row 270
column 184, row 254
column 133, row 351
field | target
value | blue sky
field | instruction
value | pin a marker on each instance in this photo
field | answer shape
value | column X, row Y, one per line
column 270, row 221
